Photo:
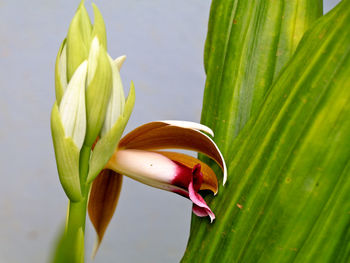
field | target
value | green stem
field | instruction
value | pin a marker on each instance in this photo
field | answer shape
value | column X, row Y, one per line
column 84, row 168
column 75, row 228
column 76, row 216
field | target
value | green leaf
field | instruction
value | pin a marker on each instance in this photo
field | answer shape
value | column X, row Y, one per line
column 287, row 196
column 106, row 146
column 67, row 157
column 248, row 43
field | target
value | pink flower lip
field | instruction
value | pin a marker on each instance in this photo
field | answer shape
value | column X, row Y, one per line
column 192, row 180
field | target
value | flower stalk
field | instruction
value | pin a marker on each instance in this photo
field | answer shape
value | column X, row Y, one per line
column 88, row 92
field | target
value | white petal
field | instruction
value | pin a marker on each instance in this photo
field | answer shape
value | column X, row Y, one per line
column 72, row 107
column 147, row 167
column 190, row 125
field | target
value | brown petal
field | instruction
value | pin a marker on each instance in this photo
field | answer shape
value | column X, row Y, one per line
column 210, row 181
column 163, row 135
column 103, row 201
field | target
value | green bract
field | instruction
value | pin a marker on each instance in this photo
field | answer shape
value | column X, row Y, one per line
column 61, row 71
column 99, row 85
column 67, row 157
column 78, row 40
column 68, row 123
column 105, row 147
column 99, row 28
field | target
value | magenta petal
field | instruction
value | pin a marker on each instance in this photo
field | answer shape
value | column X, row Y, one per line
column 199, row 211
column 200, row 207
column 192, row 180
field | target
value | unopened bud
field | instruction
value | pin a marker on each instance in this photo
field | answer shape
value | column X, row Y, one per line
column 117, row 100
column 72, row 106
column 78, row 40
column 99, row 28
column 99, row 86
column 105, row 147
column 68, row 126
column 67, row 157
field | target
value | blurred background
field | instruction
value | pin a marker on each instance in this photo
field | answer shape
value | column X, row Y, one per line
column 164, row 42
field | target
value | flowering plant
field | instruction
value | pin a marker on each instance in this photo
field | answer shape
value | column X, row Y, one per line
column 87, row 121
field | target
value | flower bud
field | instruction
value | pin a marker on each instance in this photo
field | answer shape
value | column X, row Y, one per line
column 99, row 28
column 99, row 86
column 72, row 107
column 117, row 100
column 105, row 147
column 68, row 125
column 78, row 40
column 67, row 157
column 117, row 116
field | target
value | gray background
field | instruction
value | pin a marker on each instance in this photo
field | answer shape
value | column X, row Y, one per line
column 164, row 43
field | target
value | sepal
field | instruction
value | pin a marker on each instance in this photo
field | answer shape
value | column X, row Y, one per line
column 106, row 146
column 67, row 157
column 103, row 200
